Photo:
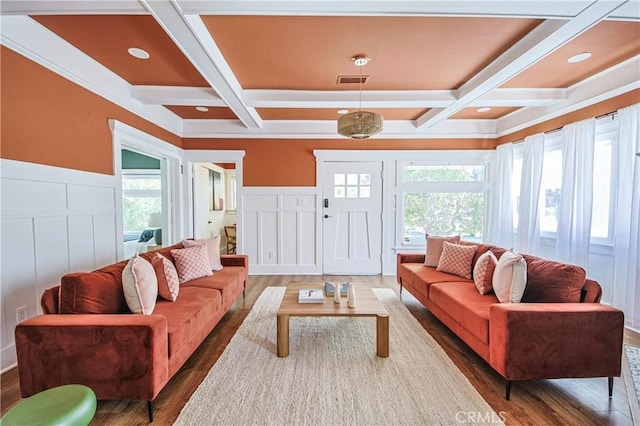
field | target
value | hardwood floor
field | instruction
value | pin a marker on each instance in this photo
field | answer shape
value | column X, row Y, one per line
column 541, row 402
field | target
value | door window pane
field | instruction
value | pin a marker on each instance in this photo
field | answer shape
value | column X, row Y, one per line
column 365, row 178
column 338, row 192
column 338, row 179
column 352, row 178
column 352, row 192
column 365, row 192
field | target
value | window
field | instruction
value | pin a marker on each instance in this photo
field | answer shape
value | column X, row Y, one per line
column 352, row 185
column 142, row 196
column 443, row 200
column 550, row 185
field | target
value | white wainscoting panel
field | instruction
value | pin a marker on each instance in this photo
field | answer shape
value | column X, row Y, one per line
column 279, row 231
column 53, row 221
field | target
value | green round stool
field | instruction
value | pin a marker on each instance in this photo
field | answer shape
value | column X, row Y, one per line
column 63, row 405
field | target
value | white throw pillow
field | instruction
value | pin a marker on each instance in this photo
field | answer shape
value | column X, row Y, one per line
column 213, row 250
column 140, row 286
column 510, row 277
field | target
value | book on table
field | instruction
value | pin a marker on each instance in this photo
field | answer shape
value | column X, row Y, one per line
column 330, row 286
column 310, row 295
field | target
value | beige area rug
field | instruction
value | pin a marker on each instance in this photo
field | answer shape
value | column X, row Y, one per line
column 332, row 375
column 631, row 374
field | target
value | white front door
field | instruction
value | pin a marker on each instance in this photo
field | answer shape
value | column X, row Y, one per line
column 352, row 218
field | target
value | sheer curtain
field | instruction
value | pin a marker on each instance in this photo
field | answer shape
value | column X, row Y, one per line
column 576, row 193
column 626, row 247
column 528, row 214
column 500, row 223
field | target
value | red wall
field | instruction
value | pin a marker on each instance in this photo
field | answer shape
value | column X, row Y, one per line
column 47, row 119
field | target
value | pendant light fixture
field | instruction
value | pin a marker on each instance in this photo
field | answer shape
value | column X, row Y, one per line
column 360, row 124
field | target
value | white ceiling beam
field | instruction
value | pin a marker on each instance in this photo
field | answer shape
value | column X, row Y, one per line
column 177, row 95
column 326, row 129
column 509, row 8
column 611, row 82
column 171, row 19
column 195, row 96
column 544, row 39
column 71, row 7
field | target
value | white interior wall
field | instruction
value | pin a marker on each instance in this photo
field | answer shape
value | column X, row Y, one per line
column 53, row 221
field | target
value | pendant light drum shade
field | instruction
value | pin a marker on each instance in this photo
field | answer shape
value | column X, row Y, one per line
column 360, row 124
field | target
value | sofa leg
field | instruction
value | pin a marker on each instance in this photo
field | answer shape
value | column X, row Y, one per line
column 243, row 294
column 507, row 392
column 610, row 387
column 400, row 289
column 150, row 410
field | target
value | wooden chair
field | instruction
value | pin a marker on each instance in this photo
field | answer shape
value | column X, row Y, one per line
column 230, row 234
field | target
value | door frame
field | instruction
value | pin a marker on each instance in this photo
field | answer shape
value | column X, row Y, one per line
column 170, row 156
column 192, row 157
column 389, row 197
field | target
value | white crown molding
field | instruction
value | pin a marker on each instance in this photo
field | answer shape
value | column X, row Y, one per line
column 544, row 39
column 326, row 129
column 144, row 141
column 435, row 156
column 611, row 82
column 35, row 42
column 71, row 7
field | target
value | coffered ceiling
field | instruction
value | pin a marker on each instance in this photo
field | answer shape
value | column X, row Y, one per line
column 270, row 68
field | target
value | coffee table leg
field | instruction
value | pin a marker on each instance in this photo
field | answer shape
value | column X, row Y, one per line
column 382, row 335
column 283, row 336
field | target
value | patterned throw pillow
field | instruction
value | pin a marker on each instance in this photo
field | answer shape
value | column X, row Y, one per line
column 510, row 277
column 483, row 272
column 140, row 286
column 213, row 250
column 434, row 248
column 168, row 283
column 456, row 259
column 191, row 263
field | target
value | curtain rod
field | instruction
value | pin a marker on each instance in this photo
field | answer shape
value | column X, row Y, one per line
column 612, row 114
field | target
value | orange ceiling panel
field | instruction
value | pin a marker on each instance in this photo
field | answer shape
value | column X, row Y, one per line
column 409, row 53
column 331, row 113
column 189, row 112
column 610, row 42
column 472, row 113
column 106, row 38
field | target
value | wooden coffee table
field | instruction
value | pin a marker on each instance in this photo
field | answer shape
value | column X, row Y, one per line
column 367, row 305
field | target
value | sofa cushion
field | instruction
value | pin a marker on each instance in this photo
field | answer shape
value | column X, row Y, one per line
column 191, row 263
column 456, row 259
column 229, row 281
column 483, row 272
column 549, row 281
column 213, row 250
column 140, row 286
column 462, row 302
column 510, row 277
column 188, row 314
column 97, row 292
column 434, row 248
column 168, row 283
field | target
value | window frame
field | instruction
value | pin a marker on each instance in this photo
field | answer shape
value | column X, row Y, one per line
column 141, row 193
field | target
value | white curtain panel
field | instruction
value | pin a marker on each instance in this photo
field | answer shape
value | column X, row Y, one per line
column 626, row 248
column 500, row 223
column 528, row 214
column 576, row 194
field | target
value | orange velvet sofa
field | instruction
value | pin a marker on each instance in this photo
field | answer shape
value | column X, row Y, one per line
column 89, row 336
column 559, row 330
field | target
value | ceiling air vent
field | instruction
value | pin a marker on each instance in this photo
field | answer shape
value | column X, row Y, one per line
column 352, row 79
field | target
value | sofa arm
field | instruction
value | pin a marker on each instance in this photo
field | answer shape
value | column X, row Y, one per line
column 555, row 340
column 237, row 260
column 118, row 356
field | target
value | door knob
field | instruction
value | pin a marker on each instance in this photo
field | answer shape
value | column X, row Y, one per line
column 326, row 216
column 209, row 222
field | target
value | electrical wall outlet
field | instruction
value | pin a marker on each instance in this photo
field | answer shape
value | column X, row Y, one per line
column 21, row 313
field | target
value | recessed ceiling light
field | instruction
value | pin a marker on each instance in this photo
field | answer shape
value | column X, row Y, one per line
column 138, row 53
column 579, row 57
column 484, row 109
column 202, row 109
column 342, row 111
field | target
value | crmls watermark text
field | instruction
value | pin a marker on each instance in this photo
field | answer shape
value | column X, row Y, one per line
column 475, row 417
